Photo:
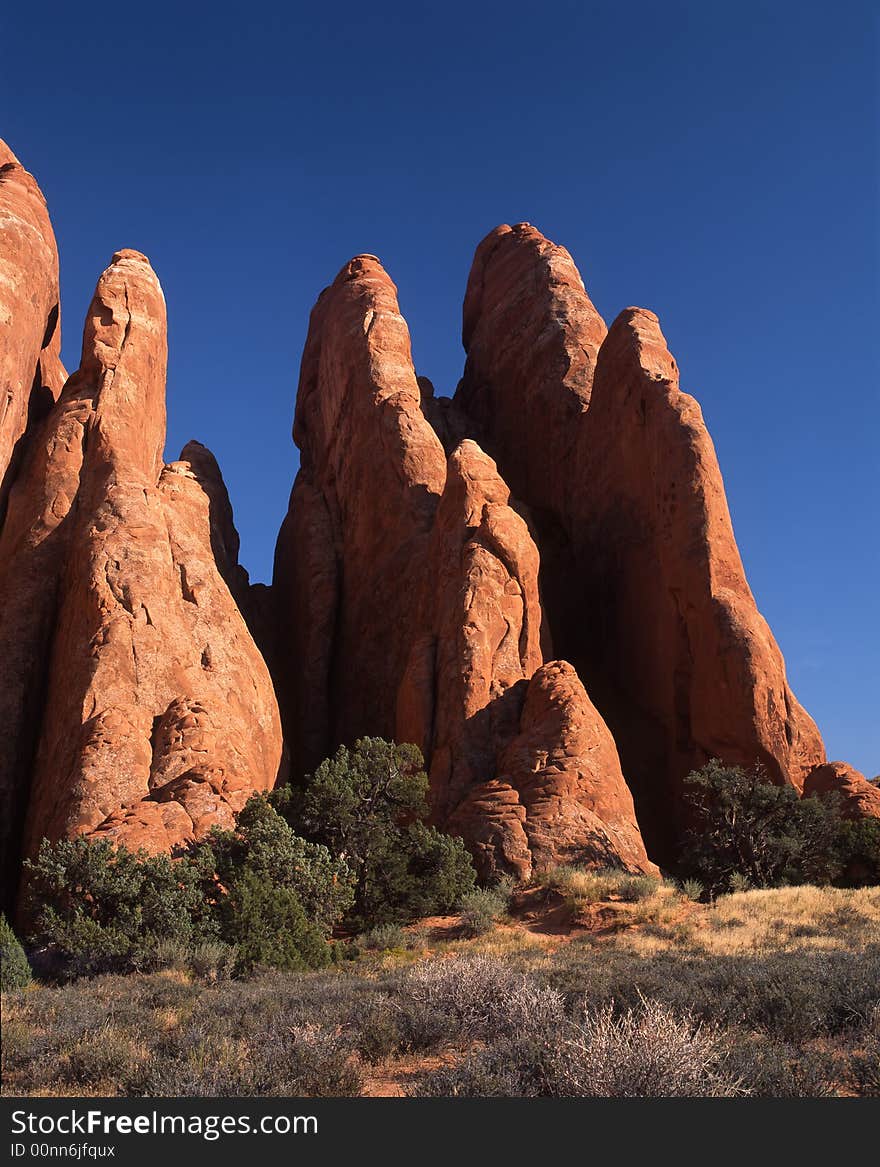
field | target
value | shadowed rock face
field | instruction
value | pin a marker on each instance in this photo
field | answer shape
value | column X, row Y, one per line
column 521, row 765
column 126, row 664
column 686, row 664
column 351, row 552
column 643, row 582
column 31, row 374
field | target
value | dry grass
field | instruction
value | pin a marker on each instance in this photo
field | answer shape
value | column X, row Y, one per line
column 812, row 917
column 581, row 888
column 769, row 993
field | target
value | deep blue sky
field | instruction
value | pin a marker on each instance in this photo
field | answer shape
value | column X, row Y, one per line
column 714, row 162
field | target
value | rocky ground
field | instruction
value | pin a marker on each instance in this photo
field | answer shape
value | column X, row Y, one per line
column 586, row 985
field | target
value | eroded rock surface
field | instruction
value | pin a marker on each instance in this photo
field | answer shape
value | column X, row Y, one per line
column 127, row 659
column 409, row 598
column 351, row 553
column 642, row 580
column 565, row 766
column 31, row 374
column 688, row 668
column 463, row 689
column 532, row 337
column 521, row 764
column 858, row 798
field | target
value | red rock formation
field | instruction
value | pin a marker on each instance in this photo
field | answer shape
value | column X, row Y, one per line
column 565, row 767
column 351, row 551
column 532, row 336
column 521, row 765
column 643, row 581
column 31, row 375
column 405, row 602
column 382, row 591
column 680, row 641
column 858, row 797
column 482, row 634
column 156, row 717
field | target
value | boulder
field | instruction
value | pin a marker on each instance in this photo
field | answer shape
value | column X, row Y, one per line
column 858, row 798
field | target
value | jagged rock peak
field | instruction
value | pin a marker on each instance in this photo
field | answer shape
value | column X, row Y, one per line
column 351, row 553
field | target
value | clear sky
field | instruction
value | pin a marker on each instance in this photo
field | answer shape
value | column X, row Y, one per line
column 715, row 162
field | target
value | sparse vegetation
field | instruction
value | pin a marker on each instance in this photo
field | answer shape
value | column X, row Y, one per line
column 260, row 894
column 649, row 1052
column 692, row 889
column 580, row 887
column 588, row 983
column 481, row 909
column 767, row 993
column 387, row 937
column 259, row 891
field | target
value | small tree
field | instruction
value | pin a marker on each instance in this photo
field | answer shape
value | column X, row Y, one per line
column 15, row 971
column 366, row 806
column 746, row 826
column 859, row 851
column 264, row 844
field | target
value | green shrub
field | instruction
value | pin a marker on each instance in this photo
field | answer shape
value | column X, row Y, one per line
column 212, row 959
column 367, row 804
column 104, row 1055
column 168, row 952
column 15, row 971
column 635, row 888
column 268, row 925
column 264, row 843
column 384, row 936
column 581, row 886
column 258, row 888
column 382, row 1032
column 207, row 959
column 692, row 889
column 749, row 830
column 858, row 849
column 106, row 909
column 481, row 909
